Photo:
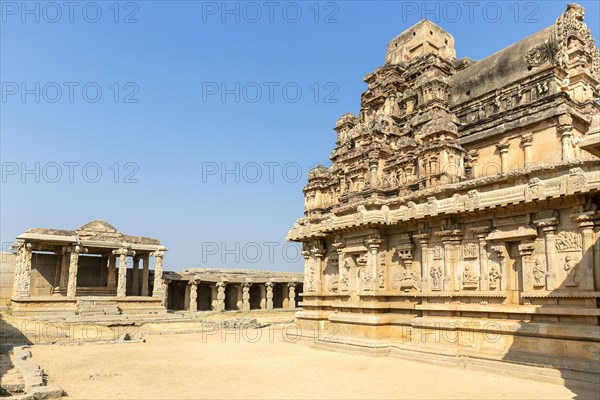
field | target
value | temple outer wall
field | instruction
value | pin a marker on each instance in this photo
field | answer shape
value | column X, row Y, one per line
column 7, row 275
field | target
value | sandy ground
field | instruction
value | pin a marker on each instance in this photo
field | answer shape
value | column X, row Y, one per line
column 263, row 365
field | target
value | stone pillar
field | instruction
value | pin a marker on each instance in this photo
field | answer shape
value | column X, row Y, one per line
column 145, row 274
column 239, row 303
column 64, row 269
column 111, row 281
column 18, row 272
column 263, row 297
column 73, row 268
column 548, row 227
column 103, row 270
column 193, row 307
column 59, row 257
column 25, row 284
column 213, row 297
column 158, row 266
column 503, row 149
column 585, row 222
column 135, row 281
column 565, row 129
column 292, row 294
column 423, row 239
column 526, row 142
column 165, row 290
column 221, row 296
column 122, row 281
column 246, row 296
column 269, row 286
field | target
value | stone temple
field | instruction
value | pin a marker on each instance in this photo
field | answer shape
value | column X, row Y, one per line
column 84, row 273
column 459, row 217
column 63, row 272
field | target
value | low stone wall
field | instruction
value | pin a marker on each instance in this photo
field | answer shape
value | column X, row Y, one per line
column 8, row 262
column 44, row 306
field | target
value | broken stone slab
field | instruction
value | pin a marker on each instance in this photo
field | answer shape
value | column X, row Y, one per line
column 34, row 378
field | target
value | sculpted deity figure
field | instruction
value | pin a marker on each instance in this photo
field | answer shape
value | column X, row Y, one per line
column 494, row 275
column 246, row 293
column 539, row 271
column 344, row 282
column 381, row 279
column 436, row 275
column 571, row 269
column 368, row 281
column 469, row 275
column 394, row 179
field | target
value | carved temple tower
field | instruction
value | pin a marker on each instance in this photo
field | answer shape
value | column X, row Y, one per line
column 464, row 194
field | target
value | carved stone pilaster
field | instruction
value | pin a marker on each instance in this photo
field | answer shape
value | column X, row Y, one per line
column 18, row 249
column 585, row 223
column 526, row 249
column 309, row 279
column 526, row 142
column 371, row 267
column 315, row 269
column 548, row 228
column 503, row 150
column 565, row 130
column 481, row 233
column 423, row 239
column 25, row 288
column 343, row 268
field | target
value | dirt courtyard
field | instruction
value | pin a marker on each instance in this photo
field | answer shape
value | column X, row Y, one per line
column 262, row 365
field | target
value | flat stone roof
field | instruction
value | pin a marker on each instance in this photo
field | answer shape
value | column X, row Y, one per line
column 212, row 275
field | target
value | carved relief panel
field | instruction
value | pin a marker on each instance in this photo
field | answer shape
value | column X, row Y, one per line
column 568, row 248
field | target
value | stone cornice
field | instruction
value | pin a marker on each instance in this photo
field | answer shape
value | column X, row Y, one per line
column 550, row 186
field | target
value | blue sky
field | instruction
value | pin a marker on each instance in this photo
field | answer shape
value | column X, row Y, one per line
column 196, row 122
